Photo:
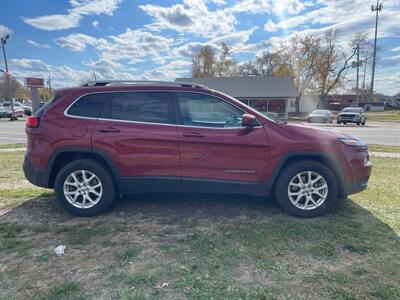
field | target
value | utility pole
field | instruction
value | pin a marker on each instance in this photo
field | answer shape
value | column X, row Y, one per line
column 94, row 75
column 50, row 87
column 377, row 9
column 358, row 72
column 365, row 71
column 3, row 42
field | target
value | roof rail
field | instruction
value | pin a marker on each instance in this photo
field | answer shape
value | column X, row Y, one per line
column 144, row 82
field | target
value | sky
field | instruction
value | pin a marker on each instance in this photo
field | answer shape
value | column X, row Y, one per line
column 68, row 40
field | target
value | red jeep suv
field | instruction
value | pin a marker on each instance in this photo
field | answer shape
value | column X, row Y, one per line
column 100, row 141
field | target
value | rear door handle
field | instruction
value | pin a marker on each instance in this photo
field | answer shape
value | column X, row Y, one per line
column 193, row 134
column 109, row 129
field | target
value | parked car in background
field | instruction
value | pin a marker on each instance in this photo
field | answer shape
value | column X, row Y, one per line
column 352, row 115
column 6, row 112
column 97, row 142
column 320, row 116
column 27, row 109
column 3, row 112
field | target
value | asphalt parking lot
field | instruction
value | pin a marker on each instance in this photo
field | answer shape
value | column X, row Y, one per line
column 384, row 133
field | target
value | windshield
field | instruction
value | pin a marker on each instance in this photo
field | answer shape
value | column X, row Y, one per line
column 352, row 109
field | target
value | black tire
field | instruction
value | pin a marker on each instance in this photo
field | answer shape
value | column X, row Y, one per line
column 363, row 123
column 281, row 188
column 344, row 123
column 358, row 123
column 108, row 194
column 338, row 122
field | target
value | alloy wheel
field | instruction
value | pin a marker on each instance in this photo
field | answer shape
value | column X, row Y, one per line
column 83, row 189
column 308, row 190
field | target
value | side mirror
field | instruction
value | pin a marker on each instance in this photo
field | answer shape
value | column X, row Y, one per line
column 249, row 120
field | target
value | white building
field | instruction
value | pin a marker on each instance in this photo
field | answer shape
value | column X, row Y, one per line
column 307, row 104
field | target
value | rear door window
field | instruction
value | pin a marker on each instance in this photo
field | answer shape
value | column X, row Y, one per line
column 89, row 106
column 148, row 107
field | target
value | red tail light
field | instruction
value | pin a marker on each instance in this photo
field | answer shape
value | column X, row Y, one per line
column 32, row 122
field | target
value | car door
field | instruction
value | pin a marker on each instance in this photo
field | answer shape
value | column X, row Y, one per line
column 138, row 131
column 214, row 145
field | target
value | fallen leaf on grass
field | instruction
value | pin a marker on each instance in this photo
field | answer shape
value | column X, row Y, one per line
column 162, row 285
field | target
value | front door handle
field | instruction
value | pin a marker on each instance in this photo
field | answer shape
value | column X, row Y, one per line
column 109, row 129
column 193, row 134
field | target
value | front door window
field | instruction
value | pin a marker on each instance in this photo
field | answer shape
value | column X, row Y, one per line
column 207, row 111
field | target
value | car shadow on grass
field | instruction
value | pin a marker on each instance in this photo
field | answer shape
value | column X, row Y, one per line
column 45, row 207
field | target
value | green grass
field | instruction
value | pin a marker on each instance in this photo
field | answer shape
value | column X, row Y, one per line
column 9, row 146
column 11, row 170
column 14, row 188
column 385, row 116
column 384, row 148
column 202, row 247
column 128, row 254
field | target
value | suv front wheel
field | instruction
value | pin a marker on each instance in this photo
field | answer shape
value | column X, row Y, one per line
column 84, row 188
column 306, row 189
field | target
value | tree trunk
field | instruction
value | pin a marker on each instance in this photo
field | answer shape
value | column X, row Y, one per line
column 321, row 100
column 298, row 104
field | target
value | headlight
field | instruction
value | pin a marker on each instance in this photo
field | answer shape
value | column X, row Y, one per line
column 353, row 142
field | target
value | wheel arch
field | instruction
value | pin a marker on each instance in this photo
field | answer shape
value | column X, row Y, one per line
column 63, row 156
column 326, row 159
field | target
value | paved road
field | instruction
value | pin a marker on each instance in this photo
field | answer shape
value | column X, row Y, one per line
column 385, row 133
column 12, row 132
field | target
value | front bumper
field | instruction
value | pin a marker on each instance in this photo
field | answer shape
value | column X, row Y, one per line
column 317, row 120
column 356, row 186
column 361, row 175
column 348, row 119
column 35, row 176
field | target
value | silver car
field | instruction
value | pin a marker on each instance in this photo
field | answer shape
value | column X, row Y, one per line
column 320, row 116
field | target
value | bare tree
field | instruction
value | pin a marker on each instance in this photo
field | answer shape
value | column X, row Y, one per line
column 299, row 59
column 335, row 63
column 226, row 64
column 247, row 69
column 265, row 64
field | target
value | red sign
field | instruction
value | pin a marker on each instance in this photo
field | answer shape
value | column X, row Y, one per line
column 34, row 82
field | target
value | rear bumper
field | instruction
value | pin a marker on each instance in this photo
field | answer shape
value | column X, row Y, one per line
column 35, row 176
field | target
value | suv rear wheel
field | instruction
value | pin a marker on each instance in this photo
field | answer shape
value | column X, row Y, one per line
column 306, row 189
column 84, row 188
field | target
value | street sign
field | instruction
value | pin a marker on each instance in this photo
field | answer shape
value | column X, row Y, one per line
column 34, row 82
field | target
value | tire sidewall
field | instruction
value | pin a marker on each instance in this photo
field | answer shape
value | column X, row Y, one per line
column 281, row 188
column 101, row 172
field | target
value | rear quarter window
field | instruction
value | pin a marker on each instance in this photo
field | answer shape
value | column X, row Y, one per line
column 89, row 106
